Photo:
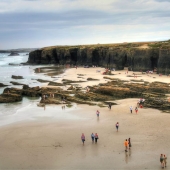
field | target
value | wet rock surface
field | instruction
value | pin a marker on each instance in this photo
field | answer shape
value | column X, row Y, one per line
column 153, row 93
column 10, row 98
column 92, row 79
column 13, row 54
column 16, row 83
column 17, row 77
column 3, row 85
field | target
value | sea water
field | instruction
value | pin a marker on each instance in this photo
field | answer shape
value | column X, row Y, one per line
column 27, row 108
column 11, row 65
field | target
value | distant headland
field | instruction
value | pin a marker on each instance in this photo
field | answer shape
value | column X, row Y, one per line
column 19, row 50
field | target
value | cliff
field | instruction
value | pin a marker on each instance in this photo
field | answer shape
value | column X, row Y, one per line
column 135, row 56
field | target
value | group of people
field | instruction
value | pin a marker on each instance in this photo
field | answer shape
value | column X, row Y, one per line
column 45, row 96
column 94, row 137
column 136, row 109
column 163, row 160
column 127, row 144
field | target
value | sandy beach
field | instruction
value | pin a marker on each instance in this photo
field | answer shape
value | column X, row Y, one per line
column 52, row 140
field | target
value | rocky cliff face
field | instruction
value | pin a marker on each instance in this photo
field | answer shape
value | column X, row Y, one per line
column 110, row 56
column 164, row 61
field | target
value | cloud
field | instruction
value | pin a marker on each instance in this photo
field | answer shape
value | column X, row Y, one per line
column 162, row 0
column 63, row 21
column 31, row 0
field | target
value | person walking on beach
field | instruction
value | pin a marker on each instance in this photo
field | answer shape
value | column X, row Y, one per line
column 117, row 126
column 126, row 145
column 96, row 137
column 162, row 160
column 129, row 143
column 110, row 106
column 92, row 137
column 165, row 160
column 136, row 110
column 83, row 138
column 97, row 113
column 131, row 108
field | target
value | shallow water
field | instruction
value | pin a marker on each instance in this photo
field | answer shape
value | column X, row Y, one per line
column 26, row 109
column 27, row 71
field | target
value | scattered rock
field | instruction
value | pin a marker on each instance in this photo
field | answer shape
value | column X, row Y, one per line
column 16, row 83
column 71, row 88
column 25, row 87
column 55, row 84
column 3, row 85
column 155, row 93
column 13, row 54
column 92, row 79
column 17, row 77
column 41, row 104
column 66, row 81
column 9, row 98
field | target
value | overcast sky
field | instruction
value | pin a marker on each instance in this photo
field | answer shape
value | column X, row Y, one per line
column 39, row 23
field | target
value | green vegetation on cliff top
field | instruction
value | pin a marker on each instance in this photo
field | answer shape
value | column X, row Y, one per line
column 144, row 45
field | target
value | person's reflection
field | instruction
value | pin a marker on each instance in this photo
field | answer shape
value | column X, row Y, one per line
column 129, row 152
column 126, row 157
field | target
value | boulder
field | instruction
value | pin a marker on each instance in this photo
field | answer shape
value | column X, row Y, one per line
column 13, row 54
column 9, row 98
column 66, row 81
column 92, row 79
column 17, row 77
column 35, row 88
column 3, row 85
column 71, row 88
column 16, row 83
column 41, row 104
column 55, row 84
column 25, row 87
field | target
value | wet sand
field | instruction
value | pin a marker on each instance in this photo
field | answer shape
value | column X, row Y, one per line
column 54, row 142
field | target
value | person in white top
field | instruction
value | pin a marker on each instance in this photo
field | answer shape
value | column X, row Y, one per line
column 131, row 108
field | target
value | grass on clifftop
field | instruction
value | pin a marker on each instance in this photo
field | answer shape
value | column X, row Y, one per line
column 156, row 44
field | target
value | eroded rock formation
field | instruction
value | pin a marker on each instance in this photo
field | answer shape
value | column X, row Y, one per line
column 154, row 93
column 154, row 56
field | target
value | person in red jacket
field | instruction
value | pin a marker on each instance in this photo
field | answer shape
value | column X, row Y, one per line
column 83, row 138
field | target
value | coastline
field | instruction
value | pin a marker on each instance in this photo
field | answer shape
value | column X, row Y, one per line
column 52, row 139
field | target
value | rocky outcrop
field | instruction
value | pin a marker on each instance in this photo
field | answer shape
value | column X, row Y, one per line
column 16, row 83
column 109, row 56
column 16, row 77
column 92, row 79
column 13, row 54
column 2, row 85
column 154, row 93
column 9, row 98
column 164, row 61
